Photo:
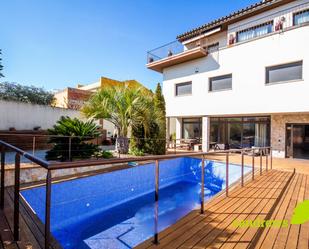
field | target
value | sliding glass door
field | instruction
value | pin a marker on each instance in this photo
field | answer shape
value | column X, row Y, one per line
column 242, row 132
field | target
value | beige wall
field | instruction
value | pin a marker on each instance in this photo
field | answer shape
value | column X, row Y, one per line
column 278, row 126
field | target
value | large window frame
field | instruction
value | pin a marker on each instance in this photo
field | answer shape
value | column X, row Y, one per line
column 220, row 77
column 183, row 84
column 299, row 13
column 220, row 126
column 254, row 30
column 190, row 121
column 282, row 66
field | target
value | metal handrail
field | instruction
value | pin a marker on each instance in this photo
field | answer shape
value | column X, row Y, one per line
column 25, row 154
column 50, row 166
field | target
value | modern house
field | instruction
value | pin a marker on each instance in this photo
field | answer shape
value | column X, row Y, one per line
column 241, row 80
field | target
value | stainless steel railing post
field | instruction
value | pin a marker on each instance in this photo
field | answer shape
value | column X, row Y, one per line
column 261, row 161
column 266, row 159
column 252, row 164
column 227, row 175
column 47, row 208
column 202, row 184
column 156, row 232
column 2, row 177
column 16, row 197
column 33, row 145
column 242, row 168
column 271, row 158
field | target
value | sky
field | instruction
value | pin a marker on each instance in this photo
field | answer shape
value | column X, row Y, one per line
column 59, row 43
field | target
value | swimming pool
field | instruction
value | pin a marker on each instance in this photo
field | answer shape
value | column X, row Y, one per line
column 116, row 209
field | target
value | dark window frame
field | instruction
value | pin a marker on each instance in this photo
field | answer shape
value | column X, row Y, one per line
column 268, row 68
column 210, row 87
column 255, row 27
column 198, row 120
column 183, row 84
column 297, row 13
column 224, row 121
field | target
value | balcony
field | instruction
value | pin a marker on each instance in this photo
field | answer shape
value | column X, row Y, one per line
column 172, row 54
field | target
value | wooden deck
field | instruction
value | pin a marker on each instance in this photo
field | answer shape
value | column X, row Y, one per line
column 31, row 228
column 272, row 196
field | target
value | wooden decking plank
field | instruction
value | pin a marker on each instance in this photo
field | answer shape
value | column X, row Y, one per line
column 269, row 235
column 199, row 238
column 294, row 230
column 247, row 238
column 303, row 238
column 281, row 239
column 216, row 203
column 26, row 236
column 260, row 209
column 253, row 207
column 34, row 224
column 6, row 235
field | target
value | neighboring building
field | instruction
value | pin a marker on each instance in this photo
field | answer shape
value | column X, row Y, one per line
column 242, row 80
column 74, row 98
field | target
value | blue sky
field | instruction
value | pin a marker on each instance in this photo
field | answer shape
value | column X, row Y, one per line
column 59, row 43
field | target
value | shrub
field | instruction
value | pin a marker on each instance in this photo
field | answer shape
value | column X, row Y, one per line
column 80, row 132
column 103, row 154
column 136, row 152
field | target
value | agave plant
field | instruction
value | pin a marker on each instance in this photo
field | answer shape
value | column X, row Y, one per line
column 69, row 137
column 124, row 106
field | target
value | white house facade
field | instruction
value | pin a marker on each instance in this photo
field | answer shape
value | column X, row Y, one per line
column 242, row 80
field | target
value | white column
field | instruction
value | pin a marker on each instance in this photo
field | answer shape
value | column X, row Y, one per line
column 205, row 133
column 178, row 127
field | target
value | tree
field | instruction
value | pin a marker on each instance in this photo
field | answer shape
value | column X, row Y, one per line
column 70, row 139
column 27, row 94
column 124, row 106
column 1, row 67
column 159, row 105
column 150, row 135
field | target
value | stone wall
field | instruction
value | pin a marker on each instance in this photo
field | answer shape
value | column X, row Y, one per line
column 278, row 130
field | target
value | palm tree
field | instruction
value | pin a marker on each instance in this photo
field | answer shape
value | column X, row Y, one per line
column 123, row 106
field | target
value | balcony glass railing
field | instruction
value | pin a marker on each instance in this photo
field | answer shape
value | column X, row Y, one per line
column 165, row 51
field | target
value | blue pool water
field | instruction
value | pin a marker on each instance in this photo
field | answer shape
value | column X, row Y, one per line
column 116, row 210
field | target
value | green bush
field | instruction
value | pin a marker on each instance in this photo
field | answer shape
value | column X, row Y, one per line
column 103, row 154
column 136, row 152
column 80, row 133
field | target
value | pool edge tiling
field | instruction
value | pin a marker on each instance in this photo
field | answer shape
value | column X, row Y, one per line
column 86, row 213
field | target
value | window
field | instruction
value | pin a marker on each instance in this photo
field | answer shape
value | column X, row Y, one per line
column 191, row 128
column 285, row 72
column 184, row 88
column 223, row 82
column 213, row 47
column 243, row 132
column 255, row 31
column 301, row 17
